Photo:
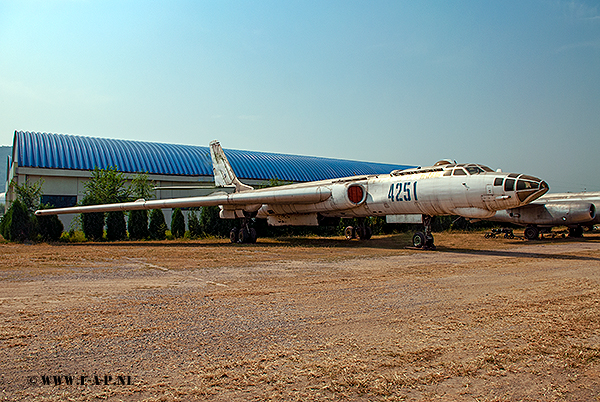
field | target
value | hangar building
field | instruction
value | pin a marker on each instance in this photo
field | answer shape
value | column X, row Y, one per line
column 65, row 162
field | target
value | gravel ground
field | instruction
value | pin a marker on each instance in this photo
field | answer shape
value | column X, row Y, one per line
column 302, row 319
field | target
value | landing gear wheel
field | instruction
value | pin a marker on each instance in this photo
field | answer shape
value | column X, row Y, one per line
column 531, row 233
column 233, row 235
column 419, row 240
column 244, row 236
column 424, row 239
column 350, row 233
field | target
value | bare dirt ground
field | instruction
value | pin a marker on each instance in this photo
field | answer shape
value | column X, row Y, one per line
column 302, row 319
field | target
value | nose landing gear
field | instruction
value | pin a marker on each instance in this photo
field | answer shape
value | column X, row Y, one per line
column 424, row 240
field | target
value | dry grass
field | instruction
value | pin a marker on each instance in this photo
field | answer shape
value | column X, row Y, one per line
column 304, row 319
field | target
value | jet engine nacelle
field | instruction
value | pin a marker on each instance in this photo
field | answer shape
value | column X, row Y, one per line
column 348, row 195
column 554, row 213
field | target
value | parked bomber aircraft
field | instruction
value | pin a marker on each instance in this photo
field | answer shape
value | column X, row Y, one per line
column 574, row 210
column 470, row 190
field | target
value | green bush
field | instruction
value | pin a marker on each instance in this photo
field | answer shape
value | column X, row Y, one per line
column 17, row 224
column 92, row 223
column 137, row 225
column 194, row 225
column 115, row 226
column 73, row 236
column 212, row 225
column 177, row 223
column 49, row 227
column 157, row 226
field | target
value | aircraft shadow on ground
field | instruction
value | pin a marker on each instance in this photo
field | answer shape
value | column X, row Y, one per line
column 527, row 254
column 394, row 242
column 387, row 243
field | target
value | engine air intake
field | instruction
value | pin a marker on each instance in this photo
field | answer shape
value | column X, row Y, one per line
column 355, row 194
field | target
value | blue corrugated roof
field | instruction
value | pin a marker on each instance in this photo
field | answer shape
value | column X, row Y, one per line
column 59, row 151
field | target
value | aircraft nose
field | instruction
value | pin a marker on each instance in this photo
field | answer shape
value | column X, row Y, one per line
column 530, row 188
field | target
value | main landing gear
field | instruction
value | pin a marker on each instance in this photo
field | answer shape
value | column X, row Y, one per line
column 245, row 234
column 424, row 239
column 363, row 231
column 533, row 232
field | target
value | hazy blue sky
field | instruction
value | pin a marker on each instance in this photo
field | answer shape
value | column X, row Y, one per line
column 511, row 84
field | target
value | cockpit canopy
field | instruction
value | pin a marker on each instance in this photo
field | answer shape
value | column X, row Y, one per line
column 449, row 169
column 464, row 169
column 526, row 186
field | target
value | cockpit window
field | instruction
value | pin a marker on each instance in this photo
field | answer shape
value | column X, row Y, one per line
column 527, row 185
column 498, row 181
column 509, row 184
column 459, row 172
column 474, row 169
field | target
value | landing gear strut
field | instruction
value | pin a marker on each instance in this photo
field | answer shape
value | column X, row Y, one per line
column 363, row 231
column 424, row 239
column 245, row 234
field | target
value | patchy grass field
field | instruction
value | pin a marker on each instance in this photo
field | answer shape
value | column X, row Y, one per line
column 302, row 319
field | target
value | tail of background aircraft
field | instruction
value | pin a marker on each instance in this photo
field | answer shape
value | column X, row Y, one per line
column 222, row 171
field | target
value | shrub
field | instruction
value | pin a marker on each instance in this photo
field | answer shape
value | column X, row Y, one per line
column 115, row 226
column 158, row 226
column 138, row 225
column 73, row 236
column 212, row 225
column 194, row 225
column 50, row 227
column 92, row 223
column 16, row 224
column 177, row 223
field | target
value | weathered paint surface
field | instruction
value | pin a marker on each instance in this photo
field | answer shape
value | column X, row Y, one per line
column 470, row 190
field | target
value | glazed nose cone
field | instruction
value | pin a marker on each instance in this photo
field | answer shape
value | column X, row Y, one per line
column 530, row 188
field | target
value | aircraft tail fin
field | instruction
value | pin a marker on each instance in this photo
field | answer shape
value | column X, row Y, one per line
column 224, row 175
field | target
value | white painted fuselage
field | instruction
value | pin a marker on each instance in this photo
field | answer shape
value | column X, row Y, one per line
column 469, row 190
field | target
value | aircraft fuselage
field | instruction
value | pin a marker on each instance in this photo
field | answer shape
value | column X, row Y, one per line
column 472, row 191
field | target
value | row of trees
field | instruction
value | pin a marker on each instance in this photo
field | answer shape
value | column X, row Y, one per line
column 104, row 187
column 107, row 186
